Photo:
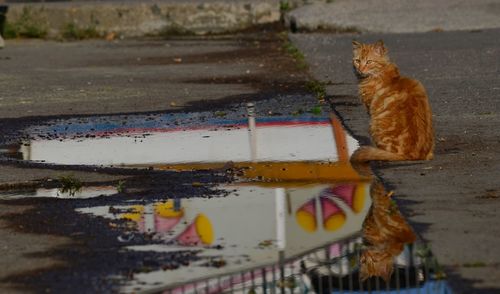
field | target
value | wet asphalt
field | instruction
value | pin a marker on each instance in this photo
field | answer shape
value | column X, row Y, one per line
column 451, row 201
column 95, row 82
column 93, row 251
column 45, row 80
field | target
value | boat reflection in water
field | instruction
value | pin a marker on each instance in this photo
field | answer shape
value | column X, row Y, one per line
column 286, row 201
column 297, row 219
column 252, row 227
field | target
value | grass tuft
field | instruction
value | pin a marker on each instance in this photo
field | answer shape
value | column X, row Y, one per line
column 316, row 110
column 27, row 26
column 284, row 6
column 174, row 30
column 318, row 88
column 70, row 185
column 72, row 32
column 120, row 186
column 295, row 53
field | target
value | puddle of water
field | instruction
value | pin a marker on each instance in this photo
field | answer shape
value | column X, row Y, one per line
column 320, row 236
column 299, row 217
column 287, row 139
column 238, row 135
column 246, row 229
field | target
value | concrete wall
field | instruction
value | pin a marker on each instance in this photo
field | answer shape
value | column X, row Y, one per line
column 131, row 19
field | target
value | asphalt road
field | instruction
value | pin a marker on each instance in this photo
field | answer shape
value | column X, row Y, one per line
column 44, row 80
column 402, row 16
column 453, row 200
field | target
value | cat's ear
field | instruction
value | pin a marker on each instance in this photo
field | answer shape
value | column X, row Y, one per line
column 380, row 47
column 356, row 44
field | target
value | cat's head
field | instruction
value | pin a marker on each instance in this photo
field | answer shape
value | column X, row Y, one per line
column 389, row 226
column 369, row 59
column 376, row 263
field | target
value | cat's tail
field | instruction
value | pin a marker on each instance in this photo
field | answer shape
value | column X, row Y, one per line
column 368, row 153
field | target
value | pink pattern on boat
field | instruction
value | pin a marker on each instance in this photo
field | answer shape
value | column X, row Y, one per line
column 164, row 224
column 328, row 208
column 309, row 206
column 344, row 192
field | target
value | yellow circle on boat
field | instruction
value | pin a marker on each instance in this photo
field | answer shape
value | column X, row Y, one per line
column 306, row 220
column 334, row 222
column 135, row 213
column 358, row 202
column 204, row 229
column 167, row 210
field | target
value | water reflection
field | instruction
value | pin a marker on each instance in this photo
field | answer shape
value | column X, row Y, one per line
column 387, row 249
column 313, row 237
column 385, row 233
column 276, row 139
column 298, row 218
column 244, row 230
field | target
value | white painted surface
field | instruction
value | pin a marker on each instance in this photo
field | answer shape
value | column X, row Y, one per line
column 273, row 143
column 241, row 221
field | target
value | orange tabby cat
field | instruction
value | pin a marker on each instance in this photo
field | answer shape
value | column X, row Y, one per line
column 385, row 233
column 401, row 122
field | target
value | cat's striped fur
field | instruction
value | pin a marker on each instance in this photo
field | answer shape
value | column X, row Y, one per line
column 401, row 118
column 385, row 233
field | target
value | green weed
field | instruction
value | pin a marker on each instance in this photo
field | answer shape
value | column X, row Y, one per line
column 316, row 110
column 72, row 32
column 318, row 88
column 120, row 187
column 295, row 53
column 70, row 185
column 175, row 30
column 27, row 26
column 284, row 6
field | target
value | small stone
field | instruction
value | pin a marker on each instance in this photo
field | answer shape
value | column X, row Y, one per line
column 110, row 36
